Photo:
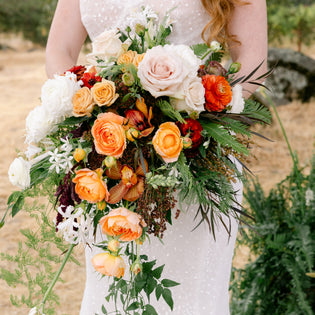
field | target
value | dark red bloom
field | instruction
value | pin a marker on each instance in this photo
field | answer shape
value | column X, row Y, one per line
column 78, row 70
column 90, row 78
column 192, row 128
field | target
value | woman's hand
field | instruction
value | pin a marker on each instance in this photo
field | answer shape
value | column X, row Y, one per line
column 249, row 24
column 66, row 37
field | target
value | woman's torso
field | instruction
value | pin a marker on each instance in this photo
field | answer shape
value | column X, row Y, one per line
column 189, row 16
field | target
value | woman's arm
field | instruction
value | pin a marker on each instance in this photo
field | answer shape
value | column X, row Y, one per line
column 66, row 37
column 249, row 24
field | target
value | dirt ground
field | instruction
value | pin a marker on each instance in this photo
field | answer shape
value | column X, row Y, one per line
column 22, row 73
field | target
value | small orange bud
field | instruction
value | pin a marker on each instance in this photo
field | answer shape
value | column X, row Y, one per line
column 113, row 245
column 132, row 134
column 136, row 267
column 187, row 142
column 79, row 154
column 110, row 161
column 101, row 205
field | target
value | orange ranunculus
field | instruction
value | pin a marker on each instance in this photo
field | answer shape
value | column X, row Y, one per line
column 109, row 265
column 138, row 58
column 123, row 223
column 109, row 134
column 218, row 92
column 104, row 93
column 167, row 142
column 90, row 186
column 83, row 102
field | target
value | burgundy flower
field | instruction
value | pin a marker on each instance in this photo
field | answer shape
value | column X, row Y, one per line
column 193, row 129
column 78, row 71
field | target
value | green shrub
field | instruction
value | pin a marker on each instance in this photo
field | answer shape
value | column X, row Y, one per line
column 276, row 282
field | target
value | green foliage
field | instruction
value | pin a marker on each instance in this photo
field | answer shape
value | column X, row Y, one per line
column 276, row 282
column 32, row 18
column 293, row 20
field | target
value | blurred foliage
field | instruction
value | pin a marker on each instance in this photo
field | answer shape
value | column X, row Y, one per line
column 293, row 20
column 31, row 18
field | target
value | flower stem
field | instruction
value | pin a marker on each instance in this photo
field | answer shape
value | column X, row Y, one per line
column 57, row 275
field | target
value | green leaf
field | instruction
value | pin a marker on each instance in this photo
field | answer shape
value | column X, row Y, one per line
column 167, row 296
column 223, row 137
column 139, row 285
column 151, row 285
column 147, row 266
column 18, row 205
column 133, row 306
column 169, row 283
column 14, row 197
column 200, row 49
column 70, row 121
column 157, row 272
column 104, row 309
column 149, row 310
column 158, row 291
column 169, row 111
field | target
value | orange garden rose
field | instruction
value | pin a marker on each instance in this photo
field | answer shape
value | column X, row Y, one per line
column 123, row 223
column 109, row 134
column 218, row 92
column 127, row 57
column 83, row 102
column 167, row 142
column 104, row 93
column 109, row 265
column 90, row 186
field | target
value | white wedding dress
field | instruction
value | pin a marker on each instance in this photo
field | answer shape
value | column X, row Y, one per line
column 201, row 264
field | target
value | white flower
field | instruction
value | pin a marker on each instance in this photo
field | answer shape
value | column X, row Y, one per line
column 32, row 150
column 57, row 96
column 76, row 227
column 19, row 173
column 67, row 146
column 164, row 69
column 194, row 97
column 38, row 125
column 309, row 196
column 215, row 46
column 237, row 104
column 33, row 311
column 105, row 46
column 60, row 161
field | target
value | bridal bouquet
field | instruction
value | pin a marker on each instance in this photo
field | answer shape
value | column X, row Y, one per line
column 128, row 139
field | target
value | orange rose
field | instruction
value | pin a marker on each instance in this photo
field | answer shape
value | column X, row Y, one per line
column 167, row 142
column 127, row 57
column 138, row 58
column 83, row 102
column 123, row 223
column 90, row 186
column 109, row 265
column 104, row 93
column 218, row 92
column 109, row 134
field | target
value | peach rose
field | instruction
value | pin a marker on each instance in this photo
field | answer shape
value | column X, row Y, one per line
column 82, row 102
column 127, row 57
column 109, row 265
column 167, row 142
column 90, row 186
column 123, row 223
column 138, row 58
column 104, row 93
column 109, row 134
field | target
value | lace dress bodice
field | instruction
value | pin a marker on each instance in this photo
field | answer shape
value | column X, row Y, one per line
column 189, row 16
column 201, row 264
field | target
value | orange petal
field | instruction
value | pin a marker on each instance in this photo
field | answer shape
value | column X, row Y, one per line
column 117, row 192
column 150, row 116
column 114, row 172
column 128, row 177
column 139, row 170
column 141, row 105
column 146, row 132
column 135, row 192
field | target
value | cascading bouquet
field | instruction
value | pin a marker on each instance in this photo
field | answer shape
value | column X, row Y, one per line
column 118, row 137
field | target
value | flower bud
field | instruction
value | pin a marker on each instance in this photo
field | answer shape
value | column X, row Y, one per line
column 128, row 79
column 194, row 115
column 235, row 67
column 187, row 142
column 132, row 134
column 110, row 161
column 215, row 46
column 101, row 205
column 113, row 245
column 79, row 154
column 214, row 67
column 136, row 267
column 140, row 29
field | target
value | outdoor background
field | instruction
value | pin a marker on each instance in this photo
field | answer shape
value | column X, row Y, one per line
column 24, row 27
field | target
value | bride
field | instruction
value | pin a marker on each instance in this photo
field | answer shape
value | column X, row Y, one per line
column 201, row 264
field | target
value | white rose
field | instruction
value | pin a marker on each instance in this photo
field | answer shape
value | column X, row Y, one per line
column 194, row 97
column 39, row 124
column 19, row 173
column 57, row 95
column 163, row 69
column 104, row 46
column 237, row 104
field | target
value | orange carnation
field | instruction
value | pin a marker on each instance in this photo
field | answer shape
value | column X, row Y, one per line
column 167, row 142
column 123, row 223
column 218, row 92
column 109, row 134
column 109, row 265
column 90, row 186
